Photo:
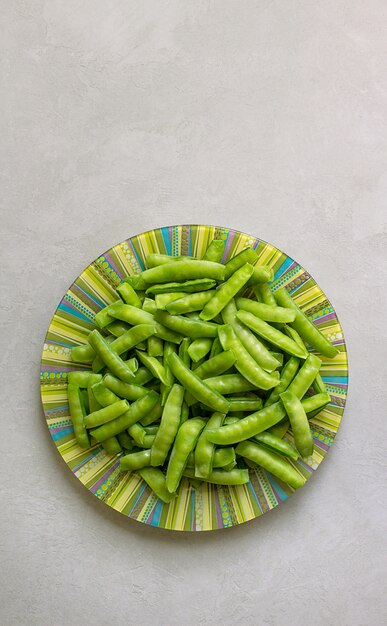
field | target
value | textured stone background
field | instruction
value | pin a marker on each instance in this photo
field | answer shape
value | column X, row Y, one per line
column 263, row 115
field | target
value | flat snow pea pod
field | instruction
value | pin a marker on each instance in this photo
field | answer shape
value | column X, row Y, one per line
column 83, row 378
column 306, row 329
column 103, row 317
column 135, row 461
column 199, row 348
column 318, row 384
column 163, row 299
column 288, row 372
column 205, row 450
column 128, row 295
column 77, row 413
column 117, row 328
column 299, row 422
column 187, row 286
column 154, row 414
column 106, row 414
column 245, row 364
column 266, row 312
column 136, row 411
column 262, row 274
column 112, row 446
column 264, row 294
column 154, row 366
column 153, row 259
column 277, row 444
column 189, row 303
column 216, row 348
column 125, row 441
column 82, row 354
column 104, row 395
column 216, row 365
column 245, row 404
column 127, row 341
column 248, row 255
column 185, row 442
column 222, row 477
column 155, row 346
column 137, row 317
column 183, row 270
column 305, row 377
column 226, row 292
column 215, row 251
column 229, row 383
column 169, row 425
column 251, row 343
column 128, row 391
column 186, row 326
column 111, row 359
column 196, row 387
column 155, row 478
column 270, row 334
column 272, row 462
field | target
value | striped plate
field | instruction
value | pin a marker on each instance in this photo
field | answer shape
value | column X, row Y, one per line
column 209, row 507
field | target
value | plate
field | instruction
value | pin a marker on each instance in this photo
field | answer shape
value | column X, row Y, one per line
column 210, row 507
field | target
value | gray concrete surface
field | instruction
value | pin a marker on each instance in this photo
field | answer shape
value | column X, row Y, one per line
column 120, row 116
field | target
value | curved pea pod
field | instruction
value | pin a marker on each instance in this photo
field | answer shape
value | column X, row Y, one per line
column 248, row 255
column 83, row 378
column 305, row 328
column 136, row 411
column 169, row 425
column 293, row 334
column 188, row 286
column 185, row 442
column 182, row 271
column 155, row 478
column 128, row 295
column 222, row 477
column 196, row 387
column 271, row 334
column 266, row 312
column 250, row 342
column 128, row 391
column 110, row 358
column 305, row 376
column 77, row 413
column 272, row 462
column 186, row 326
column 112, row 446
column 245, row 363
column 277, row 444
column 199, row 348
column 226, row 292
column 138, row 317
column 299, row 422
column 128, row 340
column 154, row 366
column 288, row 372
column 135, row 461
column 155, row 259
column 215, row 251
column 106, row 414
column 205, row 450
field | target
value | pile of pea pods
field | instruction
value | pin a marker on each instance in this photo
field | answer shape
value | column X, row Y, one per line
column 198, row 370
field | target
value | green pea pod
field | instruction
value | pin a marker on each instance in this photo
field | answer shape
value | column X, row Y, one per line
column 142, row 376
column 128, row 391
column 199, row 348
column 262, row 274
column 137, row 433
column 112, row 446
column 164, row 299
column 215, row 251
column 182, row 271
column 264, row 294
column 77, row 413
column 216, row 348
column 280, row 429
column 154, row 366
column 127, row 341
column 125, row 441
column 155, row 259
column 154, row 414
column 318, row 385
column 305, row 377
column 155, row 478
column 277, row 444
column 248, row 255
column 110, row 358
column 135, row 461
column 205, row 450
column 188, row 286
column 83, row 378
column 117, row 328
column 288, row 372
column 186, row 326
column 137, row 317
column 196, row 387
column 104, row 395
column 266, row 312
column 226, row 292
column 306, row 329
column 136, row 411
column 245, row 404
column 128, row 295
column 245, row 363
column 103, row 317
column 272, row 462
column 299, row 422
column 223, row 477
column 106, row 414
column 270, row 334
column 222, row 458
column 185, row 442
column 229, row 383
column 82, row 354
column 169, row 425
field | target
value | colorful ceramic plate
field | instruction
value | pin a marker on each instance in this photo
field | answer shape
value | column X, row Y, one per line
column 209, row 507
